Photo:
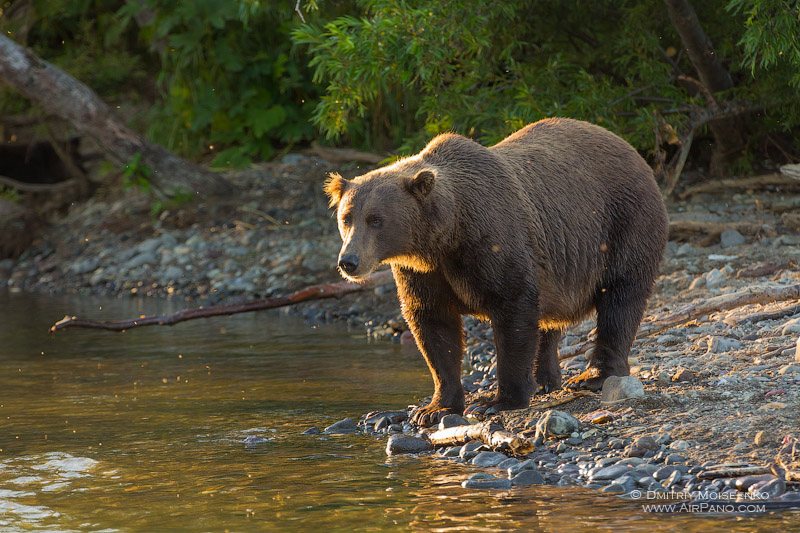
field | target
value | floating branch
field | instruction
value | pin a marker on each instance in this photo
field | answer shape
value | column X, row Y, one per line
column 314, row 292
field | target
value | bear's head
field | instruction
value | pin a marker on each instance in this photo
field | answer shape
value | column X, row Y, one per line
column 382, row 218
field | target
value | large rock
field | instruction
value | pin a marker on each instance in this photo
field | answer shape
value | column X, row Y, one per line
column 617, row 389
column 557, row 424
column 488, row 459
column 731, row 238
column 399, row 444
column 486, row 481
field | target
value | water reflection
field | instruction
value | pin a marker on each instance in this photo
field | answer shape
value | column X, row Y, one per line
column 199, row 427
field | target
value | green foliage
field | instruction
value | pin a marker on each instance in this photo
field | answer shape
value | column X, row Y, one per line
column 411, row 69
column 229, row 83
column 137, row 175
column 9, row 194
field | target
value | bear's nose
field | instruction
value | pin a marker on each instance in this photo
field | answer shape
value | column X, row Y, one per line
column 348, row 263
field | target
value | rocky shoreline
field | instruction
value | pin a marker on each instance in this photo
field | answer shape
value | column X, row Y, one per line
column 719, row 391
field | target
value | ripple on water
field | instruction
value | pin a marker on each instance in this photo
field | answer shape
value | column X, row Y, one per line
column 50, row 472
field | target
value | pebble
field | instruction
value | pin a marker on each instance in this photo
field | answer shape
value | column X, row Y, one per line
column 616, row 389
column 673, row 459
column 730, row 238
column 452, row 420
column 683, row 375
column 608, row 472
column 527, row 477
column 556, row 424
column 640, row 446
column 679, row 445
column 488, row 459
column 722, row 344
column 348, row 425
column 528, row 464
column 470, row 449
column 485, row 481
column 400, row 444
column 715, row 278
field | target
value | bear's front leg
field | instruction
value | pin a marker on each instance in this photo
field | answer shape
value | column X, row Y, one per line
column 516, row 336
column 428, row 308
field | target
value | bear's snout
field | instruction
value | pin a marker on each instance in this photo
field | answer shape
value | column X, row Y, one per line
column 348, row 263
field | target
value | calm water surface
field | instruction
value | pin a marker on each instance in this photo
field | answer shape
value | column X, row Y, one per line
column 148, row 430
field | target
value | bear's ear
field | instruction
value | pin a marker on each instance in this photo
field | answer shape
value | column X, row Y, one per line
column 335, row 186
column 421, row 184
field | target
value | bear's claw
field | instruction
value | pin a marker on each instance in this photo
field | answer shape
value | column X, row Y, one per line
column 590, row 379
column 430, row 415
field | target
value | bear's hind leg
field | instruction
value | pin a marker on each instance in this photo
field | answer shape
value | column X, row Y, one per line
column 548, row 372
column 619, row 311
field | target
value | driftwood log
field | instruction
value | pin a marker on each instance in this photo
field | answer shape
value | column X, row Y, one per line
column 492, row 434
column 314, row 292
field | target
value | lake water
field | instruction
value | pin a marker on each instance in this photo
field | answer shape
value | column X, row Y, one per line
column 147, row 430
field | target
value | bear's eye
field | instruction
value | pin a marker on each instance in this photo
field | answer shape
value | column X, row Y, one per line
column 374, row 221
column 347, row 219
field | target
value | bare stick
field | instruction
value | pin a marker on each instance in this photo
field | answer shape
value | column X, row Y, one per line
column 755, row 182
column 314, row 292
column 299, row 12
column 683, row 229
column 491, row 434
column 691, row 311
column 37, row 187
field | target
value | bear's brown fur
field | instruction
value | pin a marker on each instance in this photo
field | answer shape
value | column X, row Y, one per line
column 559, row 219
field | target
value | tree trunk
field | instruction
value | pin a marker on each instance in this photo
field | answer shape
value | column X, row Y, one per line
column 728, row 136
column 59, row 93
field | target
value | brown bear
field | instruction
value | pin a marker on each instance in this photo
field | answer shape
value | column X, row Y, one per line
column 561, row 218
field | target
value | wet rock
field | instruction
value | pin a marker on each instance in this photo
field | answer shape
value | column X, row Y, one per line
column 452, row 451
column 144, row 258
column 313, row 430
column 486, row 459
column 452, row 420
column 254, row 440
column 770, row 489
column 673, row 479
column 674, row 459
column 486, row 481
column 381, row 424
column 470, row 449
column 556, row 424
column 508, row 463
column 609, row 472
column 745, row 482
column 348, row 425
column 528, row 464
column 613, row 489
column 394, row 417
column 616, row 389
column 664, row 472
column 722, row 344
column 400, row 444
column 640, row 446
column 731, row 238
column 526, row 478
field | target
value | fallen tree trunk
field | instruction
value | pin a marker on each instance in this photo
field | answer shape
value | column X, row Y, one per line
column 60, row 94
column 492, row 434
column 314, row 292
column 681, row 230
column 692, row 311
column 754, row 182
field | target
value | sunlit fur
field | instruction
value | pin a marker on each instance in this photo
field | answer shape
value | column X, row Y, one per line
column 558, row 220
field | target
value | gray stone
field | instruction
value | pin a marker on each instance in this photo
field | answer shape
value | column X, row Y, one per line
column 771, row 489
column 527, row 464
column 789, row 369
column 484, row 481
column 508, row 463
column 609, row 472
column 144, row 258
column 664, row 472
column 731, row 238
column 791, row 327
column 452, row 420
column 348, row 425
column 313, row 430
column 641, row 445
column 745, row 482
column 488, row 459
column 526, row 478
column 452, row 451
column 674, row 459
column 84, row 266
column 722, row 344
column 399, row 444
column 715, row 278
column 171, row 274
column 149, row 246
column 470, row 449
column 616, row 389
column 679, row 445
column 254, row 440
column 556, row 424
